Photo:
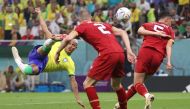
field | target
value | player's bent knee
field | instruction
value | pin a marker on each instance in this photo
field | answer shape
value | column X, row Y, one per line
column 46, row 49
column 115, row 87
column 28, row 69
column 86, row 84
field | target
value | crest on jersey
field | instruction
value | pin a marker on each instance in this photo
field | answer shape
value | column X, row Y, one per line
column 65, row 60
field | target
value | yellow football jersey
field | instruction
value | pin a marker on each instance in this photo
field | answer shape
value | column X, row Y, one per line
column 66, row 62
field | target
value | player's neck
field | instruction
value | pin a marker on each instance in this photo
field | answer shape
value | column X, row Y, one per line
column 87, row 20
column 161, row 21
column 68, row 53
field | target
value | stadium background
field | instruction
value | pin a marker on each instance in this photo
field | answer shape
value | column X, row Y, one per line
column 19, row 26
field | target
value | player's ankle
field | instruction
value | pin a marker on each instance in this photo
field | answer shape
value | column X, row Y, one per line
column 146, row 95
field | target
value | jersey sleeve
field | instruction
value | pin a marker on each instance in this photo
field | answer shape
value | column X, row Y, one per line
column 80, row 29
column 147, row 25
column 108, row 26
column 71, row 70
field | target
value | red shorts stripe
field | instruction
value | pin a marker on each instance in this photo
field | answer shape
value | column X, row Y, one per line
column 106, row 66
column 148, row 61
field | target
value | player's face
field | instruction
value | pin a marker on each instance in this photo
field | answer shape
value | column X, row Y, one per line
column 71, row 47
column 188, row 29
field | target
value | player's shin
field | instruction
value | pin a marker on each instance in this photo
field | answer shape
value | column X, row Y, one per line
column 47, row 45
column 141, row 89
column 122, row 98
column 131, row 92
column 93, row 97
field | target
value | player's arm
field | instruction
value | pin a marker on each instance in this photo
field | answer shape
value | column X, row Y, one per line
column 74, row 87
column 119, row 32
column 169, row 53
column 43, row 25
column 144, row 32
column 73, row 34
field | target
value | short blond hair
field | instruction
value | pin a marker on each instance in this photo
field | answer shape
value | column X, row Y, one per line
column 84, row 14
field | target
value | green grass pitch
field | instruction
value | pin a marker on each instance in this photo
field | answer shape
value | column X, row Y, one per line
column 107, row 100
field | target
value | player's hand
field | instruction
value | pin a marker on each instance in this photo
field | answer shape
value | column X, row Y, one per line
column 57, row 58
column 81, row 104
column 37, row 10
column 58, row 37
column 131, row 57
column 169, row 66
column 162, row 34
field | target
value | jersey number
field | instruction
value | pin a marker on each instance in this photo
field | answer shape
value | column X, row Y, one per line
column 102, row 28
column 158, row 28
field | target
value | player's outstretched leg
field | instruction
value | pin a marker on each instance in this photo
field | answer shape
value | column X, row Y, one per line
column 121, row 94
column 47, row 46
column 25, row 68
column 149, row 101
column 91, row 93
column 131, row 91
column 139, row 79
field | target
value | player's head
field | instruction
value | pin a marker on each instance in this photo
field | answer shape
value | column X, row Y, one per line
column 10, row 69
column 84, row 15
column 71, row 46
column 166, row 18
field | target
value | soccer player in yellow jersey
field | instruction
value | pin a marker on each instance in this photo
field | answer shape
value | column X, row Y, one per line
column 41, row 58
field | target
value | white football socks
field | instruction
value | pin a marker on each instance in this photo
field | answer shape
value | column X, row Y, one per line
column 21, row 65
column 147, row 95
column 49, row 42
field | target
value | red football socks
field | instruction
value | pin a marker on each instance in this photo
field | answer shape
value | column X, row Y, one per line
column 141, row 89
column 131, row 92
column 122, row 98
column 93, row 98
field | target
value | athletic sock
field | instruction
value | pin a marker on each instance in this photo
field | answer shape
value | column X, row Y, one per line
column 141, row 89
column 131, row 92
column 47, row 45
column 25, row 68
column 147, row 95
column 93, row 97
column 122, row 98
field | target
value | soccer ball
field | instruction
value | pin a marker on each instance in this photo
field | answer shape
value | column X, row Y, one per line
column 117, row 106
column 123, row 13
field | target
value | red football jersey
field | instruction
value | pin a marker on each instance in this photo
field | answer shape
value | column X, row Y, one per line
column 100, row 36
column 158, row 43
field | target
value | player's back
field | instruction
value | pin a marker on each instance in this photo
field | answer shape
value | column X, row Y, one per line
column 158, row 43
column 100, row 36
column 66, row 62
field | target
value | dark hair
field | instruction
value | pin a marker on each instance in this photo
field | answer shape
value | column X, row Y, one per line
column 164, row 15
column 152, row 5
column 10, row 67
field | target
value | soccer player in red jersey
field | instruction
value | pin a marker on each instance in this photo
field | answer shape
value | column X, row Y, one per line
column 157, row 43
column 110, row 60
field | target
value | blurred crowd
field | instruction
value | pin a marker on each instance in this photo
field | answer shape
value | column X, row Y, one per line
column 12, row 80
column 18, row 21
